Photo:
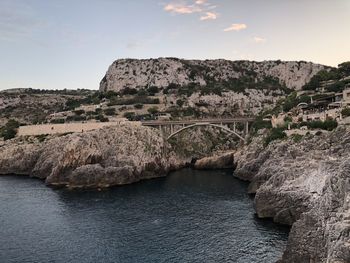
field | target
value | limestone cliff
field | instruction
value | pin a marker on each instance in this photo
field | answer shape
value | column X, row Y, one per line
column 100, row 158
column 307, row 185
column 161, row 72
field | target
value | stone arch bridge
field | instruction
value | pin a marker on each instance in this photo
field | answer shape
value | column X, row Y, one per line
column 229, row 125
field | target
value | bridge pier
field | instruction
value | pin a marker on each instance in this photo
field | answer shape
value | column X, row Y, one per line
column 246, row 128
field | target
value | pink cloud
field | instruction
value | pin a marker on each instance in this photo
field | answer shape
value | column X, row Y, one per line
column 236, row 27
column 182, row 8
column 209, row 16
column 259, row 40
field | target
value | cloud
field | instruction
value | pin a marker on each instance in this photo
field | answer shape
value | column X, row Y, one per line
column 209, row 16
column 236, row 27
column 259, row 40
column 203, row 7
column 182, row 8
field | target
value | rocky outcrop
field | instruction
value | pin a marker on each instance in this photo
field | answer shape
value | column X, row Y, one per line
column 161, row 72
column 306, row 185
column 101, row 158
column 223, row 161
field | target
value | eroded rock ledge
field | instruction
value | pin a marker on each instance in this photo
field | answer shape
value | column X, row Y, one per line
column 219, row 161
column 101, row 158
column 305, row 184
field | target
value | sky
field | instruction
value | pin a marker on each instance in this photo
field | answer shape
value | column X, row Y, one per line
column 58, row 44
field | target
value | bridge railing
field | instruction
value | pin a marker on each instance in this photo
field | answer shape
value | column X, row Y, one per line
column 213, row 121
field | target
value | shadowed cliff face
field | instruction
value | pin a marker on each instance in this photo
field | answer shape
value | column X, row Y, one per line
column 100, row 158
column 306, row 185
column 162, row 72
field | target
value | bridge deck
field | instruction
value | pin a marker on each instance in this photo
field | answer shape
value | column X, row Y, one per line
column 189, row 122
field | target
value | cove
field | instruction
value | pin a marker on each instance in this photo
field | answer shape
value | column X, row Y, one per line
column 188, row 216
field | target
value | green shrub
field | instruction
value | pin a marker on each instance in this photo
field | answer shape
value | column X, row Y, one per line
column 129, row 115
column 101, row 118
column 288, row 119
column 138, row 106
column 56, row 121
column 129, row 91
column 134, row 100
column 9, row 131
column 318, row 133
column 328, row 125
column 180, row 103
column 259, row 124
column 297, row 137
column 104, row 119
column 72, row 104
column 90, row 113
column 275, row 134
column 76, row 118
column 41, row 137
column 152, row 90
column 153, row 110
column 109, row 111
column 110, row 94
column 79, row 112
column 345, row 112
column 142, row 93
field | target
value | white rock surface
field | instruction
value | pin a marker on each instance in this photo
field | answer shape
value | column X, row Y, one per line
column 161, row 72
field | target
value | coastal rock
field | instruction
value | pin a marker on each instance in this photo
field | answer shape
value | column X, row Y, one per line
column 100, row 158
column 305, row 184
column 215, row 162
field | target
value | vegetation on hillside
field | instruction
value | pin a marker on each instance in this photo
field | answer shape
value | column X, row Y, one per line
column 336, row 74
column 274, row 134
column 9, row 131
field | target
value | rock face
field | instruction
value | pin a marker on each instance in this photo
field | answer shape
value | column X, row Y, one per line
column 224, row 161
column 162, row 72
column 100, row 158
column 306, row 185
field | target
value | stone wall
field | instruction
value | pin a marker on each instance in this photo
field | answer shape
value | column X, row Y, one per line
column 66, row 127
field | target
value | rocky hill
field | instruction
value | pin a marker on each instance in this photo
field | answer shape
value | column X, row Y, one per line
column 33, row 106
column 162, row 72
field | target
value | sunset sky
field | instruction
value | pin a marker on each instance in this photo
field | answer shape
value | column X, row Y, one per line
column 69, row 44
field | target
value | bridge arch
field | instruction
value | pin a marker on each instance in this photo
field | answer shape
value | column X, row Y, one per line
column 206, row 124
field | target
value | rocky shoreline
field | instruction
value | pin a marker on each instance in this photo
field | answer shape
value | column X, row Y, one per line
column 97, row 159
column 306, row 185
column 303, row 184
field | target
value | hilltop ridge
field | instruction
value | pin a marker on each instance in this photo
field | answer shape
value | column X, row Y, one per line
column 162, row 72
